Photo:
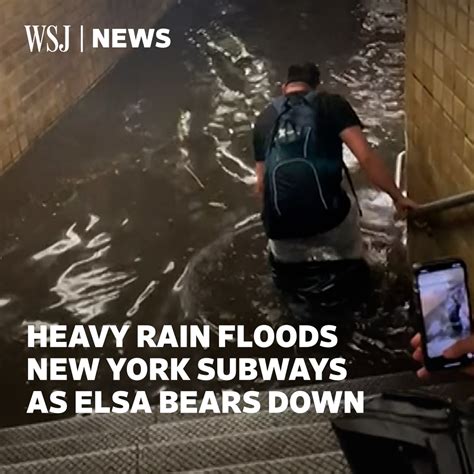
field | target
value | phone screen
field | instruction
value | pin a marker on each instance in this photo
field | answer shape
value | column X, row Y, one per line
column 445, row 309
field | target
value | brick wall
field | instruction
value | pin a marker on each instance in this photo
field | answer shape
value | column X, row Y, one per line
column 440, row 121
column 36, row 88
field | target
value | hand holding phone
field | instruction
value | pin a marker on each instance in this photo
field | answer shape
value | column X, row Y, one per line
column 443, row 306
column 459, row 349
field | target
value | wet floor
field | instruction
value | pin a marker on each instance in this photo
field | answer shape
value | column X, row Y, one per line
column 138, row 205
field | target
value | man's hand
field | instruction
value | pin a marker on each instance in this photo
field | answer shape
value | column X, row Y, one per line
column 455, row 352
column 404, row 205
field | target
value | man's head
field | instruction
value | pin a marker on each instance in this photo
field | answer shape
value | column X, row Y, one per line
column 301, row 77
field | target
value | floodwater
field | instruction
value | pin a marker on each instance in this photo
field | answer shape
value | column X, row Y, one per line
column 138, row 205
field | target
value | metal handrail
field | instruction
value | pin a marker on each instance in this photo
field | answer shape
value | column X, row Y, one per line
column 451, row 202
column 400, row 170
column 444, row 204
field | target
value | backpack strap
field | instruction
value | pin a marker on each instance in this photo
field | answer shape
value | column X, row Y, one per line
column 281, row 105
column 310, row 96
column 351, row 184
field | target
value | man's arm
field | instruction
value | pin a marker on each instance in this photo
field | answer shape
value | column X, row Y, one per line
column 263, row 127
column 260, row 172
column 375, row 168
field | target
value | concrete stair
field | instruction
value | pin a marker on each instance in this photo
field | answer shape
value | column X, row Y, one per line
column 154, row 443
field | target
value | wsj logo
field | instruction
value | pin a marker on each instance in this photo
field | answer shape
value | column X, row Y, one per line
column 48, row 38
column 54, row 39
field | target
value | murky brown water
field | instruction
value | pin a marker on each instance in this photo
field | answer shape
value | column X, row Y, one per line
column 138, row 206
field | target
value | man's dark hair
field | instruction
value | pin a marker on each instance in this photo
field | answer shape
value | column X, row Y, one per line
column 307, row 73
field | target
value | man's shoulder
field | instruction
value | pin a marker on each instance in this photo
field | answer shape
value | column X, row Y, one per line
column 267, row 114
column 330, row 98
column 336, row 109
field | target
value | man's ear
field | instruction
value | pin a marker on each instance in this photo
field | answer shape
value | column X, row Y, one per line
column 283, row 88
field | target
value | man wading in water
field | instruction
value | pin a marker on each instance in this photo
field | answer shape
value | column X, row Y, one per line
column 312, row 224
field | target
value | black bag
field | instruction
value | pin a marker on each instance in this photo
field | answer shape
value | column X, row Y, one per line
column 409, row 432
column 302, row 193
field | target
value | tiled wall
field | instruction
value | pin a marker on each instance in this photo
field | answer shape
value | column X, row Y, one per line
column 36, row 88
column 440, row 122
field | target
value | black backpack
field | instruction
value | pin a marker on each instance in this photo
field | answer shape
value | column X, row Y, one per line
column 409, row 432
column 302, row 193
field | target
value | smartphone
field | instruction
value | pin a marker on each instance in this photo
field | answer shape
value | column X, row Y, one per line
column 443, row 305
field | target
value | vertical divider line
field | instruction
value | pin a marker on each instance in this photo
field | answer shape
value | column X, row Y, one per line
column 82, row 38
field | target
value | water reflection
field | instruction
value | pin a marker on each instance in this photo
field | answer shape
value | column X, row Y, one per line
column 70, row 240
column 141, row 298
column 242, row 86
column 86, row 287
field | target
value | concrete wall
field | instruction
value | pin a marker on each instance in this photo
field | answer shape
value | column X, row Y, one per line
column 440, row 121
column 36, row 88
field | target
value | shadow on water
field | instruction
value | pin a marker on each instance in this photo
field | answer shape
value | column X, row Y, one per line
column 138, row 205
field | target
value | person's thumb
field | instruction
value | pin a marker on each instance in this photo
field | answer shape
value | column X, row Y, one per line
column 460, row 349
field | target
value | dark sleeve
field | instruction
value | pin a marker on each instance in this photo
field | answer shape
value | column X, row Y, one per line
column 262, row 130
column 341, row 114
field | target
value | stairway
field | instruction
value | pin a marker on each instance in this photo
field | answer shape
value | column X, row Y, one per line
column 154, row 443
